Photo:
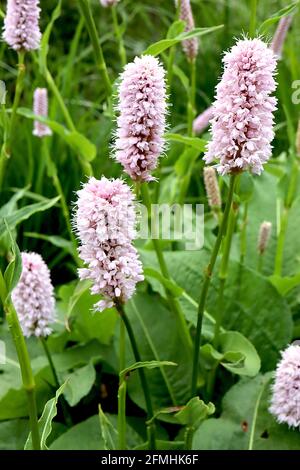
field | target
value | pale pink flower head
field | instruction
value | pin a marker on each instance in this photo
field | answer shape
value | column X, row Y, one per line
column 40, row 108
column 242, row 126
column 108, row 3
column 21, row 25
column 285, row 402
column 142, row 117
column 280, row 35
column 105, row 224
column 190, row 46
column 264, row 236
column 212, row 187
column 202, row 121
column 33, row 297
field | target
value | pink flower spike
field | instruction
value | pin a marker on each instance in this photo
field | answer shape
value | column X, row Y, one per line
column 108, row 3
column 40, row 108
column 33, row 296
column 202, row 121
column 280, row 35
column 190, row 46
column 142, row 119
column 105, row 224
column 21, row 25
column 285, row 402
column 242, row 126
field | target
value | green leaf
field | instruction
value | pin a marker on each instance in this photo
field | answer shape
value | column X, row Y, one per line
column 176, row 28
column 11, row 205
column 83, row 436
column 244, row 310
column 146, row 365
column 276, row 17
column 14, row 269
column 246, row 187
column 25, row 212
column 160, row 46
column 108, row 431
column 78, row 142
column 185, row 162
column 55, row 240
column 87, row 436
column 77, row 305
column 235, row 342
column 73, row 357
column 163, row 445
column 13, row 434
column 167, row 283
column 45, row 422
column 246, row 421
column 168, row 385
column 79, row 384
column 285, row 284
column 194, row 412
column 195, row 142
column 182, row 77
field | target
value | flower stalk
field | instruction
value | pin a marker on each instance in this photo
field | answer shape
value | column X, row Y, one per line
column 99, row 57
column 208, row 271
column 24, row 361
column 119, row 36
column 143, row 378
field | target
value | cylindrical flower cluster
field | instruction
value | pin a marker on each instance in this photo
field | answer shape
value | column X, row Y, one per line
column 202, row 121
column 190, row 46
column 285, row 402
column 40, row 108
column 105, row 225
column 263, row 237
column 212, row 187
column 108, row 3
column 280, row 34
column 141, row 122
column 242, row 126
column 33, row 297
column 21, row 25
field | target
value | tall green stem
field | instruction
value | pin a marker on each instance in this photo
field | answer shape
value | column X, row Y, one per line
column 18, row 93
column 59, row 98
column 280, row 242
column 192, row 97
column 284, row 215
column 26, row 370
column 92, row 30
column 252, row 25
column 85, row 165
column 172, row 50
column 63, row 403
column 173, row 303
column 52, row 172
column 51, row 363
column 122, row 393
column 122, row 51
column 243, row 236
column 143, row 378
column 224, row 273
column 206, row 283
column 6, row 149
